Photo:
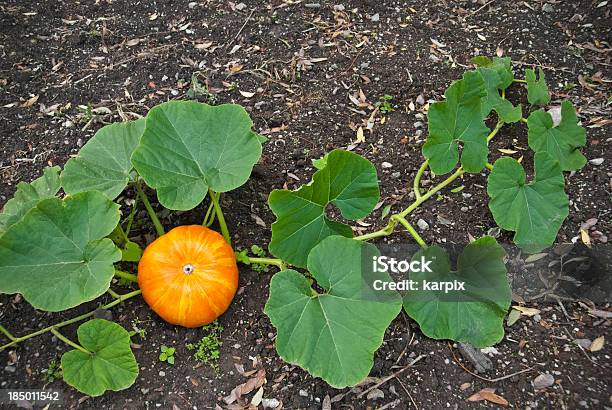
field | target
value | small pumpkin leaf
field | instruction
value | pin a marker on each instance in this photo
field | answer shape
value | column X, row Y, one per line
column 320, row 162
column 57, row 255
column 514, row 201
column 110, row 365
column 493, row 100
column 458, row 119
column 103, row 164
column 537, row 90
column 131, row 252
column 188, row 147
column 28, row 195
column 501, row 65
column 562, row 142
column 334, row 334
column 474, row 315
column 346, row 180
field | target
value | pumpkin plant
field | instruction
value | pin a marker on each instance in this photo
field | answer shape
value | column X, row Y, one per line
column 60, row 252
column 327, row 321
column 318, row 331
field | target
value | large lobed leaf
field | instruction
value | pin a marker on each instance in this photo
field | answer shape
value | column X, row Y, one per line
column 474, row 315
column 458, row 119
column 110, row 365
column 534, row 211
column 103, row 164
column 57, row 255
column 562, row 142
column 188, row 147
column 344, row 179
column 332, row 335
column 28, row 195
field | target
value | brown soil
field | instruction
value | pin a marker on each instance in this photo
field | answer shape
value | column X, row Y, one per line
column 302, row 61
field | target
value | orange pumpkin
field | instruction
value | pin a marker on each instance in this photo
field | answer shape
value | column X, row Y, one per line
column 188, row 276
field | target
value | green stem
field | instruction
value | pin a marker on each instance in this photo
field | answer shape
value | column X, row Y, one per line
column 115, row 302
column 143, row 197
column 68, row 341
column 432, row 192
column 7, row 333
column 411, row 231
column 113, row 293
column 524, row 120
column 220, row 216
column 417, row 179
column 210, row 215
column 386, row 231
column 121, row 233
column 125, row 275
column 394, row 219
column 516, row 80
column 131, row 217
column 489, row 166
column 495, row 130
column 268, row 261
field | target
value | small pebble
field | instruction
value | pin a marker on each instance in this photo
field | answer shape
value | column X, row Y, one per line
column 386, row 165
column 303, row 393
column 543, row 381
column 596, row 161
column 422, row 225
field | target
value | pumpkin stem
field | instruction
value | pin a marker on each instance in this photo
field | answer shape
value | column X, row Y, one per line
column 52, row 328
column 220, row 216
column 68, row 341
column 143, row 197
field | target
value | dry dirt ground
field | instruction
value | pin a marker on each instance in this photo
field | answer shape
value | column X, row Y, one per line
column 310, row 74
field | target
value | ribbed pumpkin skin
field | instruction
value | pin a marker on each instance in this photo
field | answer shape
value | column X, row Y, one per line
column 194, row 299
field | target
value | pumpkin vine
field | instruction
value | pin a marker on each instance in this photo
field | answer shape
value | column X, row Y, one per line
column 186, row 151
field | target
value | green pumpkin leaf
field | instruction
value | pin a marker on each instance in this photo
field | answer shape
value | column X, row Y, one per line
column 493, row 100
column 132, row 252
column 346, row 180
column 57, row 255
column 474, row 315
column 534, row 211
column 28, row 195
column 562, row 142
column 537, row 90
column 501, row 65
column 103, row 164
column 458, row 119
column 332, row 335
column 110, row 365
column 188, row 147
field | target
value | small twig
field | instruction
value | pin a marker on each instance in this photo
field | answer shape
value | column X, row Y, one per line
column 486, row 379
column 478, row 9
column 386, row 379
column 240, row 31
column 409, row 333
column 408, row 393
column 563, row 308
